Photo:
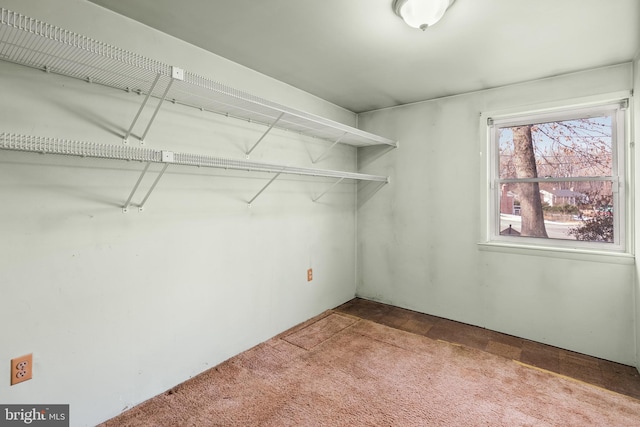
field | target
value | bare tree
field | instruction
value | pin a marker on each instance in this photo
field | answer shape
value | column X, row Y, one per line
column 525, row 167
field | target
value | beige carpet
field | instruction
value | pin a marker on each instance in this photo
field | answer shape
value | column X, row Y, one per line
column 337, row 370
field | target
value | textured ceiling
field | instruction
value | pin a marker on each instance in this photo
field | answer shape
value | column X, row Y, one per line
column 358, row 54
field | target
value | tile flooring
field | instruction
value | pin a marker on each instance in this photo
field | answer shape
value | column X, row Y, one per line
column 609, row 375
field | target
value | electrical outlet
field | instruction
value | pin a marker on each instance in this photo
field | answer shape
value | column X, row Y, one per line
column 21, row 369
column 309, row 275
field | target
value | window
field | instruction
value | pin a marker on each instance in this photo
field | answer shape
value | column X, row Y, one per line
column 557, row 178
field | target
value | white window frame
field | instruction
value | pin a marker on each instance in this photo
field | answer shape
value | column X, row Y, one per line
column 619, row 104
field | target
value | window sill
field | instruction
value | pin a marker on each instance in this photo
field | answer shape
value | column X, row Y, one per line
column 556, row 252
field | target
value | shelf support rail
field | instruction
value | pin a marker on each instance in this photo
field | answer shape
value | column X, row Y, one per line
column 265, row 187
column 264, row 134
column 315, row 199
column 326, row 151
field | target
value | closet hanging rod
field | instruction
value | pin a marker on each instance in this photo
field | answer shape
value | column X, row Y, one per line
column 47, row 145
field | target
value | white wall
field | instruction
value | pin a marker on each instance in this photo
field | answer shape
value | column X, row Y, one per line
column 116, row 307
column 418, row 236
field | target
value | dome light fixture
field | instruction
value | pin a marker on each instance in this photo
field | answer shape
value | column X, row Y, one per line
column 421, row 13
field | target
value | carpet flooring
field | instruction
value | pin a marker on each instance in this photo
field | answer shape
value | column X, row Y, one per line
column 599, row 372
column 342, row 370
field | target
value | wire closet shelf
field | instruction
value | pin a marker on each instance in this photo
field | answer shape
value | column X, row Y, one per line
column 46, row 145
column 33, row 43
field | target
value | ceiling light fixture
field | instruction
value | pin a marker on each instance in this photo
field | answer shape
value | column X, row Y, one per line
column 421, row 13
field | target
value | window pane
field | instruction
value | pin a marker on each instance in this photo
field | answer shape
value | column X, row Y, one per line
column 571, row 213
column 559, row 149
column 554, row 174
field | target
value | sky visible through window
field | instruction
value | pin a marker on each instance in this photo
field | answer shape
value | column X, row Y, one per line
column 580, row 147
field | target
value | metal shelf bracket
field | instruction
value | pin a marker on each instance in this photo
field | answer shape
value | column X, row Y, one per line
column 153, row 186
column 155, row 112
column 315, row 199
column 176, row 74
column 264, row 134
column 265, row 187
column 146, row 98
column 326, row 151
column 125, row 208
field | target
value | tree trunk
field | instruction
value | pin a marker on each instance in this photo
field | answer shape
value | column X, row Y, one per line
column 525, row 165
